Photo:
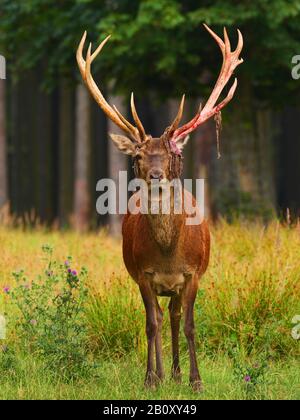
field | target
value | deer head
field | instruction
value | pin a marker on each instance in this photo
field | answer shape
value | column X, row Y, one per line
column 161, row 158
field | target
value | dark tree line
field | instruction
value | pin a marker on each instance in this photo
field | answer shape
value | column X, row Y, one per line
column 53, row 139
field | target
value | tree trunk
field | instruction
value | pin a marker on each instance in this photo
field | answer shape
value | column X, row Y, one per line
column 117, row 162
column 288, row 161
column 44, row 146
column 3, row 160
column 66, row 154
column 82, row 199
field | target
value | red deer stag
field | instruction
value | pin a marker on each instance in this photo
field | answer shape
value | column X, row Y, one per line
column 162, row 253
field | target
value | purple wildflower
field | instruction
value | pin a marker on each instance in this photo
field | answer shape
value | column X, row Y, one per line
column 247, row 378
column 6, row 289
column 33, row 321
column 67, row 263
column 74, row 273
column 69, row 270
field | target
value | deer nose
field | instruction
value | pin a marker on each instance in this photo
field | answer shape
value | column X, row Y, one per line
column 156, row 174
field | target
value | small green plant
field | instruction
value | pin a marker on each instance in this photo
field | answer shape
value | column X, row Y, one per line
column 8, row 360
column 51, row 317
column 251, row 374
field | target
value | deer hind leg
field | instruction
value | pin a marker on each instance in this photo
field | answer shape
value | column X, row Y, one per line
column 175, row 316
column 149, row 300
column 158, row 342
column 188, row 302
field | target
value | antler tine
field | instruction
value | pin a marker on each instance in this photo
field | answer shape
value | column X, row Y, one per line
column 227, row 43
column 85, row 70
column 99, row 48
column 138, row 122
column 215, row 36
column 79, row 57
column 178, row 117
column 123, row 119
column 230, row 61
column 239, row 45
column 169, row 131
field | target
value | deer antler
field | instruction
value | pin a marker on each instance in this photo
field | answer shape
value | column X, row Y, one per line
column 135, row 133
column 230, row 61
column 169, row 131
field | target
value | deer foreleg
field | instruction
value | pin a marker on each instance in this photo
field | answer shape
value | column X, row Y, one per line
column 175, row 315
column 189, row 297
column 158, row 342
column 149, row 300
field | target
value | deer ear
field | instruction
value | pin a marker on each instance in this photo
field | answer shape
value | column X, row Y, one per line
column 123, row 143
column 182, row 142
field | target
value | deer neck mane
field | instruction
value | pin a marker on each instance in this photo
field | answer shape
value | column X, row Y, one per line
column 165, row 229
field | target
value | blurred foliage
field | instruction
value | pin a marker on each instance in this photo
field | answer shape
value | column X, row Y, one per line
column 157, row 46
column 34, row 32
column 238, row 204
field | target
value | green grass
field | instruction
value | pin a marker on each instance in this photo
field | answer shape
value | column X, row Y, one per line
column 123, row 379
column 246, row 302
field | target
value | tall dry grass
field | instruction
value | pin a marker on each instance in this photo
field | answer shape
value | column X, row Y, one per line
column 247, row 298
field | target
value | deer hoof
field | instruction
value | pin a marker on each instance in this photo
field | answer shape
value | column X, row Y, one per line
column 151, row 380
column 197, row 385
column 177, row 377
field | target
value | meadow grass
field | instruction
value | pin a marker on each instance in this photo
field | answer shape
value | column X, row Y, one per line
column 123, row 379
column 245, row 305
